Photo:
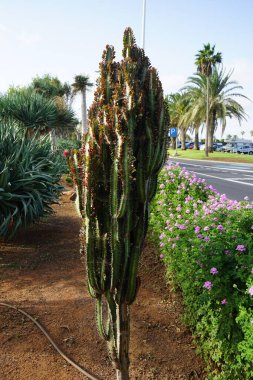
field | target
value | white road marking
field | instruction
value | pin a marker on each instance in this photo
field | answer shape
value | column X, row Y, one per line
column 238, row 178
column 224, row 179
column 219, row 169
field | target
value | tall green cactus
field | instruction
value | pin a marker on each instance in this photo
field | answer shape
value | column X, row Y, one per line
column 122, row 155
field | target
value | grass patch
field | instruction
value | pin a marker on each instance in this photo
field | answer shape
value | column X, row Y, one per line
column 215, row 156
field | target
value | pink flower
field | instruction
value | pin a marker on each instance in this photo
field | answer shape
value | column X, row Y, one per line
column 162, row 236
column 197, row 229
column 65, row 153
column 162, row 186
column 251, row 290
column 224, row 302
column 208, row 285
column 251, row 271
column 240, row 248
column 181, row 226
column 162, row 244
column 161, row 255
column 246, row 198
column 214, row 270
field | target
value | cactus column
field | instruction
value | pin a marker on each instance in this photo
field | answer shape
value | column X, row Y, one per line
column 122, row 155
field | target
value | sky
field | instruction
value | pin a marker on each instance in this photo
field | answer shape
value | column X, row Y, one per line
column 65, row 38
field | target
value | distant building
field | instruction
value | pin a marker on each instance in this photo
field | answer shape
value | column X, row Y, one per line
column 235, row 141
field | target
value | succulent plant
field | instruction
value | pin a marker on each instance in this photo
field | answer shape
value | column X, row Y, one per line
column 122, row 155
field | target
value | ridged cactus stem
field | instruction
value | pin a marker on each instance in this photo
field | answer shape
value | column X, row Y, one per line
column 123, row 325
column 121, row 157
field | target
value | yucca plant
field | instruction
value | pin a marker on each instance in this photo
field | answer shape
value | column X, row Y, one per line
column 28, row 109
column 34, row 111
column 29, row 179
column 122, row 155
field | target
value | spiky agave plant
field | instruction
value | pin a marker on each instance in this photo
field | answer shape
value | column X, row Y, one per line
column 29, row 179
column 123, row 153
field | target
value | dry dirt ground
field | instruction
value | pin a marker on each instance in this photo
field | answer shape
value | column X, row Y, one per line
column 41, row 272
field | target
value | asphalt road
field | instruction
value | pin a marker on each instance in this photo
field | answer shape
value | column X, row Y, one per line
column 233, row 179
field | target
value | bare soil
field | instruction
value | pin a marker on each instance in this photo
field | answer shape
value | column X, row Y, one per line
column 42, row 273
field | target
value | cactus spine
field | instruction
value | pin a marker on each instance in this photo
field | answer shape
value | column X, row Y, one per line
column 123, row 153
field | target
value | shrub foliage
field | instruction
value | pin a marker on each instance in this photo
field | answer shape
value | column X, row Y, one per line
column 207, row 245
column 29, row 179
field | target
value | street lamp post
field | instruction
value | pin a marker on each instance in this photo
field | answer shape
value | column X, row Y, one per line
column 143, row 24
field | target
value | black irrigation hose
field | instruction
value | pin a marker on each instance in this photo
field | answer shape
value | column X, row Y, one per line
column 71, row 362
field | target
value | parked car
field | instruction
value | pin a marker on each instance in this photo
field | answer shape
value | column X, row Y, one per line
column 228, row 148
column 189, row 145
column 244, row 149
column 217, row 147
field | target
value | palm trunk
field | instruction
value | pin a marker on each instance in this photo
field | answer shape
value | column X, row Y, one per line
column 207, row 116
column 210, row 137
column 123, row 329
column 53, row 138
column 196, row 138
column 183, row 137
column 211, row 131
column 84, row 112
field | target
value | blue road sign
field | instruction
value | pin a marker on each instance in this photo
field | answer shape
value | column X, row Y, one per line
column 173, row 132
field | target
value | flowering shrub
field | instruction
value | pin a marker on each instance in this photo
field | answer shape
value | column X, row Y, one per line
column 206, row 243
column 63, row 148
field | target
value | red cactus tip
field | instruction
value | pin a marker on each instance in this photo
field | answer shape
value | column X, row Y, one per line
column 65, row 153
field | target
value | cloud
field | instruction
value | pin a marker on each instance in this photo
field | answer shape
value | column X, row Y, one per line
column 28, row 39
column 3, row 28
column 242, row 73
column 172, row 83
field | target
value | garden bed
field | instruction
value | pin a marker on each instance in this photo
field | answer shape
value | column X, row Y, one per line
column 41, row 272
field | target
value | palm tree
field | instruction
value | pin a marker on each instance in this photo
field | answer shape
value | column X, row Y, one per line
column 177, row 105
column 61, row 93
column 196, row 127
column 205, row 61
column 80, row 85
column 222, row 104
column 193, row 122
